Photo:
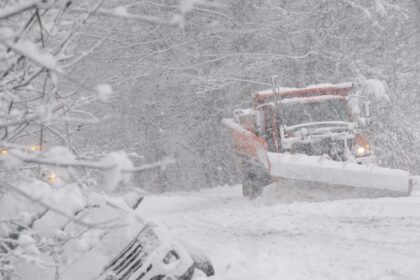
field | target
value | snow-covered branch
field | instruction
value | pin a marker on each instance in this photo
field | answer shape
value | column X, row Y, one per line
column 122, row 13
column 69, row 162
column 39, row 200
column 16, row 9
column 31, row 51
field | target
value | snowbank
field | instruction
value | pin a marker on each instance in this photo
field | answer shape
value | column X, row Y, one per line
column 343, row 239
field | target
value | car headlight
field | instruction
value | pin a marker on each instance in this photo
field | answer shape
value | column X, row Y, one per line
column 171, row 257
column 36, row 148
column 3, row 151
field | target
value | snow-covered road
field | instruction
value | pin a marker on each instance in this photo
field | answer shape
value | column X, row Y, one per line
column 264, row 239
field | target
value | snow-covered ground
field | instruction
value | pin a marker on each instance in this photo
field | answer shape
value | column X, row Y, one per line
column 301, row 237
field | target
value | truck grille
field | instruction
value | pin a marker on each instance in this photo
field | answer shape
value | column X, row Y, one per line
column 327, row 146
column 127, row 262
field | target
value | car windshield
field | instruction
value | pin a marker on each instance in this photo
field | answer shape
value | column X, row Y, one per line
column 295, row 113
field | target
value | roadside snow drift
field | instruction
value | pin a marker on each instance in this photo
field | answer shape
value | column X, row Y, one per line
column 263, row 239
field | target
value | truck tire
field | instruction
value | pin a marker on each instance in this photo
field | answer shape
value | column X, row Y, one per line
column 250, row 191
column 253, row 183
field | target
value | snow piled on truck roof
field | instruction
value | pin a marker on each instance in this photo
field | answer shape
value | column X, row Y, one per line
column 310, row 99
column 322, row 85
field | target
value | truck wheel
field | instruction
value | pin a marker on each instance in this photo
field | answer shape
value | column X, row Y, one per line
column 251, row 187
column 246, row 189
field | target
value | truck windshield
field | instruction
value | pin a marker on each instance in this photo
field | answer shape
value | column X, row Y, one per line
column 295, row 113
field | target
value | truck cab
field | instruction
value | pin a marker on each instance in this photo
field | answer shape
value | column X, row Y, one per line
column 316, row 120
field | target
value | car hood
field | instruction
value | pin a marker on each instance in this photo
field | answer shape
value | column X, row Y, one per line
column 85, row 253
column 86, row 257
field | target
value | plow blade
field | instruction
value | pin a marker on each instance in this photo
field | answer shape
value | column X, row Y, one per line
column 322, row 170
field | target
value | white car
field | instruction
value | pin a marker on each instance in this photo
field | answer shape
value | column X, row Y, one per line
column 133, row 252
column 118, row 247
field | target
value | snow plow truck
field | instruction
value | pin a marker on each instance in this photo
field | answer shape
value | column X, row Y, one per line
column 317, row 134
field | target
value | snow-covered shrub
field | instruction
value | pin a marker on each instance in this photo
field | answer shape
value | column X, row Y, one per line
column 44, row 178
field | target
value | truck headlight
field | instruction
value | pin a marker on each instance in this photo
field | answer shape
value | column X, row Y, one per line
column 362, row 147
column 360, row 151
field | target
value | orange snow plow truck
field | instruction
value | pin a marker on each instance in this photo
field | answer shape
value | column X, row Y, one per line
column 315, row 134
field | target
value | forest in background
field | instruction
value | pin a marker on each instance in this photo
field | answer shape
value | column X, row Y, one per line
column 93, row 93
column 174, row 86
